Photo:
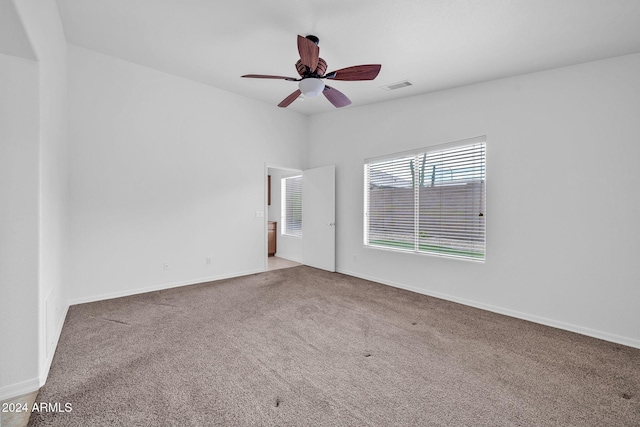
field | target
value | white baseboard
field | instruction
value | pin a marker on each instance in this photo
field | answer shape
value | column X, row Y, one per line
column 606, row 336
column 160, row 287
column 28, row 386
column 12, row 391
column 44, row 371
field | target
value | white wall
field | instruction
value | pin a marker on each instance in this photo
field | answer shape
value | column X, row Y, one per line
column 286, row 246
column 45, row 29
column 19, row 218
column 562, row 193
column 36, row 171
column 166, row 170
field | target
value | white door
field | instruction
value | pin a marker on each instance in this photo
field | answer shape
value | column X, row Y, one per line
column 318, row 218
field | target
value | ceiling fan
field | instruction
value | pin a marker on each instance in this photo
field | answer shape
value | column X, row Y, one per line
column 312, row 70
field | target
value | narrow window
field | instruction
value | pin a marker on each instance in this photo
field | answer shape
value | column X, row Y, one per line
column 428, row 201
column 291, row 211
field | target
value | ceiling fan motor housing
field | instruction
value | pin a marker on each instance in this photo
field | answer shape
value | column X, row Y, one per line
column 313, row 39
column 304, row 72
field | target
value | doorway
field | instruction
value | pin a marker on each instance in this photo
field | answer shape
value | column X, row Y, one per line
column 283, row 250
column 288, row 193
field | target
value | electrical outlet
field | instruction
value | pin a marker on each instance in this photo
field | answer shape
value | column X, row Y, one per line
column 355, row 257
column 208, row 260
column 165, row 266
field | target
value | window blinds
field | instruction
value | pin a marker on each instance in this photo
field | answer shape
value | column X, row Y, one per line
column 292, row 206
column 429, row 201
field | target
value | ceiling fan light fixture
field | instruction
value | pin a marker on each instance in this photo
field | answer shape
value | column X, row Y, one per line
column 311, row 87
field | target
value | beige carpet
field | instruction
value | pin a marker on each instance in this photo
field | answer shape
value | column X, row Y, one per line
column 302, row 347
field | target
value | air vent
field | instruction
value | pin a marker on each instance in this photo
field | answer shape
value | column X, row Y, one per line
column 394, row 86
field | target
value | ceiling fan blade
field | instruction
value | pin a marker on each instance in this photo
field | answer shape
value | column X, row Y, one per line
column 357, row 72
column 289, row 99
column 265, row 76
column 309, row 53
column 337, row 98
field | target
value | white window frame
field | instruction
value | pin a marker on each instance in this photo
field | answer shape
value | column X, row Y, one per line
column 408, row 219
column 291, row 185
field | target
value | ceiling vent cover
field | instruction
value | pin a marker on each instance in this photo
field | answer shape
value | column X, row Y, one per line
column 394, row 86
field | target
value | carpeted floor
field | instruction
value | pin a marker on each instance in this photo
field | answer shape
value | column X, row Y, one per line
column 303, row 347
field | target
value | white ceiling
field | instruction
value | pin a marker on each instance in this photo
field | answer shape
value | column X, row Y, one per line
column 13, row 38
column 436, row 44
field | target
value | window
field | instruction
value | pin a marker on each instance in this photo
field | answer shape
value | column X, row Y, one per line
column 428, row 201
column 291, row 210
